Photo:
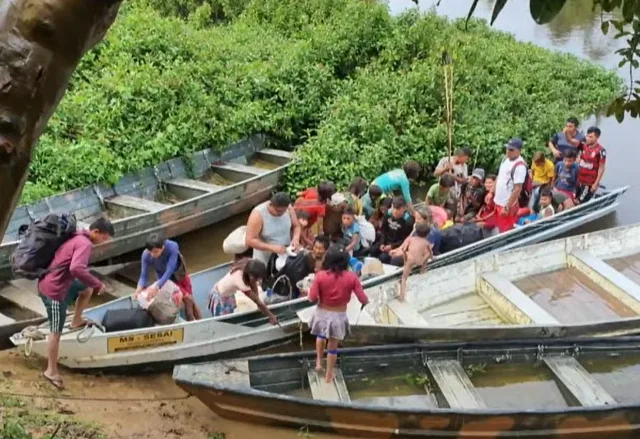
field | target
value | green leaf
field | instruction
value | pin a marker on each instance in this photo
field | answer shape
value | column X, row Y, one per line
column 543, row 11
column 605, row 27
column 628, row 10
column 497, row 9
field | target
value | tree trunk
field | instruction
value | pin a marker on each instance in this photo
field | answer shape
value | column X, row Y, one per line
column 41, row 43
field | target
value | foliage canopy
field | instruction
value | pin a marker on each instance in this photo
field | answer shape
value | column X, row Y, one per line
column 359, row 90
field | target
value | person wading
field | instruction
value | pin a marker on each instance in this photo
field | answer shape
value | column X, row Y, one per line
column 511, row 177
column 164, row 256
column 68, row 279
column 272, row 227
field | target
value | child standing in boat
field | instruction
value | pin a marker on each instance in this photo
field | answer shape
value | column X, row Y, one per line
column 332, row 288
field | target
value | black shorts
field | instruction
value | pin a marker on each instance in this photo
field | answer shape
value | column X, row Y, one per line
column 584, row 194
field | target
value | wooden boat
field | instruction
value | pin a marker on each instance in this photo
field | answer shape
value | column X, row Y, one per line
column 581, row 285
column 583, row 389
column 163, row 346
column 173, row 198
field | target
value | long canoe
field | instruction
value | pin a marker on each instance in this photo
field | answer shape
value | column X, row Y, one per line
column 174, row 197
column 584, row 388
column 246, row 329
column 580, row 285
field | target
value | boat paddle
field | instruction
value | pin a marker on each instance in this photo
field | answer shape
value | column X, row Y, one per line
column 358, row 318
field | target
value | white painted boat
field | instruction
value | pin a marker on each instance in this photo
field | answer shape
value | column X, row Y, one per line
column 183, row 341
column 581, row 285
column 247, row 329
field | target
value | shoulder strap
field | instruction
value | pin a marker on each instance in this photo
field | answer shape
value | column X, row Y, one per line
column 513, row 168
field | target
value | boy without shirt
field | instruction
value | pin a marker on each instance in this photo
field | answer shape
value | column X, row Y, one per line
column 417, row 251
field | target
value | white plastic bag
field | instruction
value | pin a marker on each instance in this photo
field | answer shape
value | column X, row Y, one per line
column 367, row 231
column 234, row 244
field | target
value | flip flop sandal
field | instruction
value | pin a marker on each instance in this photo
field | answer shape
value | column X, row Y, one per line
column 55, row 382
column 84, row 324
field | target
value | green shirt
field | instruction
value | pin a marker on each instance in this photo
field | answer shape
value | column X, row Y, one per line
column 437, row 197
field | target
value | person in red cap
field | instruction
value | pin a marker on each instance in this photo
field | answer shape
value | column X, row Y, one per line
column 509, row 183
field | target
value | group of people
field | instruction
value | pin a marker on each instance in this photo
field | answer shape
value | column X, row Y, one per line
column 324, row 233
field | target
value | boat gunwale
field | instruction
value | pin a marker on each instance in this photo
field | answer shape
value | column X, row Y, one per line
column 212, row 385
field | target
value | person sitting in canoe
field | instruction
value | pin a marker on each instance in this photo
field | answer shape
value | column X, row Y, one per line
column 566, row 140
column 313, row 201
column 591, row 166
column 245, row 276
column 272, row 227
column 164, row 256
column 396, row 226
column 332, row 288
column 371, row 200
column 440, row 193
column 472, row 197
column 456, row 166
column 398, row 180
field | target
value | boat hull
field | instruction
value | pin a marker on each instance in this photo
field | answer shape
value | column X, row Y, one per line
column 253, row 390
column 199, row 208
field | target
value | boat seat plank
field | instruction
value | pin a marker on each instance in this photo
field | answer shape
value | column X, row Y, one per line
column 23, row 293
column 5, row 320
column 335, row 391
column 455, row 385
column 194, row 184
column 238, row 168
column 234, row 373
column 603, row 274
column 578, row 382
column 114, row 287
column 276, row 152
column 511, row 303
column 136, row 203
column 406, row 313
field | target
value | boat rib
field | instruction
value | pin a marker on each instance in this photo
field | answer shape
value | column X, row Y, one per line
column 579, row 384
column 335, row 391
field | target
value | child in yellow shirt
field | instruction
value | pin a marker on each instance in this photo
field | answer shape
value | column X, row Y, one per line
column 542, row 170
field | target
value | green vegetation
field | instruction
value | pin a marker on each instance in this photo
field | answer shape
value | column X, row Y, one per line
column 17, row 422
column 359, row 90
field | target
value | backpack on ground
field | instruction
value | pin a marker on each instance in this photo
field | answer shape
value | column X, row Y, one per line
column 527, row 186
column 459, row 235
column 39, row 243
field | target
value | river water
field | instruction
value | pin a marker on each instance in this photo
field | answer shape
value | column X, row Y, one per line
column 576, row 30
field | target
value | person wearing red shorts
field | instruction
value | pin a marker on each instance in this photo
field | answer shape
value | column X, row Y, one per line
column 164, row 256
column 511, row 177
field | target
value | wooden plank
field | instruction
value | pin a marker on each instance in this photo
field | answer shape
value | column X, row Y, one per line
column 237, row 172
column 455, row 385
column 194, row 184
column 510, row 303
column 5, row 320
column 24, row 294
column 582, row 387
column 335, row 391
column 275, row 156
column 406, row 313
column 136, row 203
column 611, row 280
column 114, row 287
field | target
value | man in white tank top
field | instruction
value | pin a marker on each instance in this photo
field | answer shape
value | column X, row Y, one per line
column 272, row 227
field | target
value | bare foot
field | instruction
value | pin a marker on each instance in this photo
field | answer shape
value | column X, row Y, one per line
column 318, row 366
column 330, row 378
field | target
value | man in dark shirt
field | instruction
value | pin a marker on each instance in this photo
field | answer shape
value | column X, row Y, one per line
column 566, row 140
column 397, row 225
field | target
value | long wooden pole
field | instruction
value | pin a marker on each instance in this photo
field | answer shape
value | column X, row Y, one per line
column 41, row 43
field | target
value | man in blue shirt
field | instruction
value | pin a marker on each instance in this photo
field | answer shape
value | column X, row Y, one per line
column 164, row 256
column 398, row 180
column 566, row 140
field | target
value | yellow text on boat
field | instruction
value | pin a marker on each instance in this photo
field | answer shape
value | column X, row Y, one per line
column 144, row 341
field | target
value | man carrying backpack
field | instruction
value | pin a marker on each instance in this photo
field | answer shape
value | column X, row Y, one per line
column 510, row 183
column 67, row 279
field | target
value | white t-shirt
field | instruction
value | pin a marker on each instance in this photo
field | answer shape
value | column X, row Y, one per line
column 504, row 183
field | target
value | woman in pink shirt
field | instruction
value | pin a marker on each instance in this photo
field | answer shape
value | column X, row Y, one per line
column 332, row 288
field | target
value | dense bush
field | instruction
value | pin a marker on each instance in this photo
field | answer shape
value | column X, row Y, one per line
column 391, row 110
column 359, row 90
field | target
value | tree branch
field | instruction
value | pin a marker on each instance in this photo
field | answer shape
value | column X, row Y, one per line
column 41, row 43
